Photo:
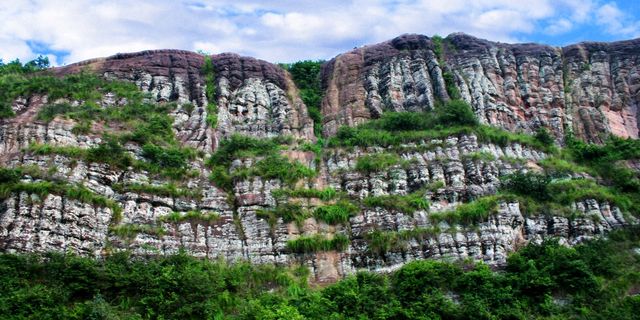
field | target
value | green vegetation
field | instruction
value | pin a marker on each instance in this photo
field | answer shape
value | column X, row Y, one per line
column 167, row 162
column 10, row 182
column 197, row 216
column 275, row 166
column 306, row 75
column 607, row 160
column 238, row 146
column 165, row 190
column 15, row 81
column 130, row 231
column 147, row 124
column 289, row 212
column 381, row 242
column 407, row 204
column 548, row 193
column 469, row 213
column 271, row 166
column 210, row 79
column 451, row 119
column 336, row 213
column 340, row 212
column 479, row 156
column 310, row 244
column 544, row 137
column 595, row 280
column 449, row 81
column 377, row 162
column 174, row 158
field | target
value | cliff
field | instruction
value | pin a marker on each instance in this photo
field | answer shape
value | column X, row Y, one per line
column 589, row 88
column 94, row 206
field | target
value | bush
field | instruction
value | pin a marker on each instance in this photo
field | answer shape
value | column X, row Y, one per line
column 470, row 213
column 279, row 167
column 336, row 213
column 377, row 162
column 167, row 157
column 456, row 112
column 238, row 146
column 111, row 152
column 527, row 184
column 287, row 211
column 544, row 137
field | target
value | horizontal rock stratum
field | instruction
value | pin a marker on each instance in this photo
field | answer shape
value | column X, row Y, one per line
column 590, row 89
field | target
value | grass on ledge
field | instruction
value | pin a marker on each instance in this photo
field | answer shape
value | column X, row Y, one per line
column 10, row 183
column 452, row 119
column 130, row 231
column 407, row 204
column 194, row 216
column 380, row 242
column 317, row 243
column 338, row 213
column 165, row 190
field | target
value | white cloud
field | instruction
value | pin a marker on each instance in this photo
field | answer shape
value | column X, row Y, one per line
column 559, row 27
column 615, row 21
column 286, row 30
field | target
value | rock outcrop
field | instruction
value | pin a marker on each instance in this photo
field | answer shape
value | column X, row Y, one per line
column 588, row 88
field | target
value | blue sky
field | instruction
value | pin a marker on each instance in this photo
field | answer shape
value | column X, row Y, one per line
column 289, row 30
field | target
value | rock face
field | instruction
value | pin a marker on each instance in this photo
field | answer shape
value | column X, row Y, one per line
column 589, row 88
column 254, row 97
column 30, row 223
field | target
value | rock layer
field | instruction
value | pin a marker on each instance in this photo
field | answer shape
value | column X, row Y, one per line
column 588, row 88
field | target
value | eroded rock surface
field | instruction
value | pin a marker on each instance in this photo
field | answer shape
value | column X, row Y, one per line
column 589, row 88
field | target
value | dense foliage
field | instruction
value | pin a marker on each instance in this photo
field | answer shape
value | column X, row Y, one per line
column 596, row 280
column 15, row 81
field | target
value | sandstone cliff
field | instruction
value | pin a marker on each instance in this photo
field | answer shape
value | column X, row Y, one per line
column 588, row 88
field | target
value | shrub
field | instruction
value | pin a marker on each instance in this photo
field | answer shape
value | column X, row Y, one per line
column 111, row 152
column 278, row 167
column 469, row 213
column 336, row 213
column 407, row 204
column 377, row 162
column 167, row 157
column 527, row 184
column 380, row 242
column 287, row 211
column 325, row 194
column 238, row 146
column 456, row 112
column 544, row 137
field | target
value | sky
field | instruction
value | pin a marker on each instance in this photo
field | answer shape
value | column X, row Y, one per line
column 69, row 31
